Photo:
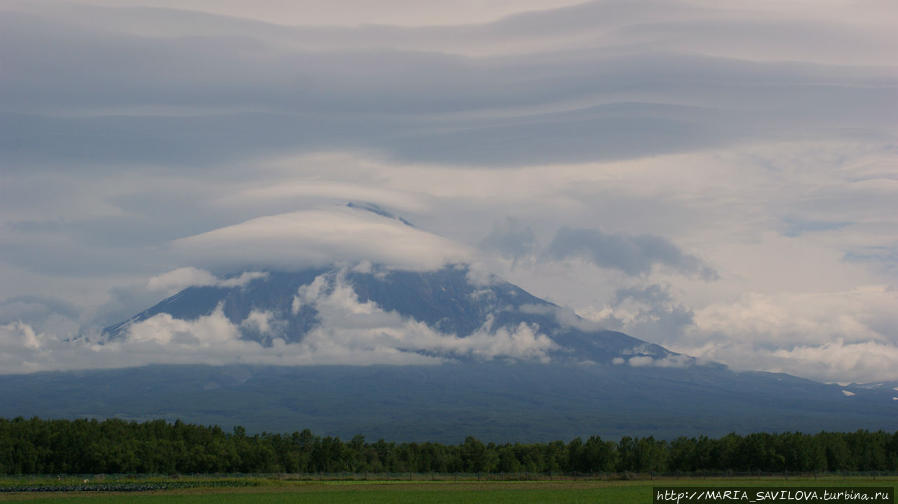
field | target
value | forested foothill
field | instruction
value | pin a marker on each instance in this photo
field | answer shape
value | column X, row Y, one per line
column 38, row 446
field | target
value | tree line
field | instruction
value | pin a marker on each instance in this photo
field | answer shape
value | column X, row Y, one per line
column 37, row 446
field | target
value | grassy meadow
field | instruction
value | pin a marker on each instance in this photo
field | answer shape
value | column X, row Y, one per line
column 271, row 490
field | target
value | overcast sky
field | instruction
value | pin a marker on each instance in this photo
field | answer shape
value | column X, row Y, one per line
column 717, row 177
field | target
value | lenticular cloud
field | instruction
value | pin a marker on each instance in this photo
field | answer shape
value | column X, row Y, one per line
column 321, row 237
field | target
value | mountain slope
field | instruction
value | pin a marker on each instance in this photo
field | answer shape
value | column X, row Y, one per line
column 492, row 401
column 447, row 301
column 502, row 365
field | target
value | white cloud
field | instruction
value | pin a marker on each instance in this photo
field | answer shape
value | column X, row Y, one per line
column 668, row 361
column 646, row 356
column 321, row 237
column 359, row 329
column 243, row 279
column 18, row 334
column 867, row 313
column 864, row 361
column 20, row 346
column 564, row 316
column 181, row 278
column 480, row 276
column 259, row 321
column 831, row 362
column 208, row 331
column 830, row 336
column 640, row 361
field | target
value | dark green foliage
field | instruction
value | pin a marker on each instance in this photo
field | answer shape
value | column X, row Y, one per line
column 119, row 485
column 38, row 446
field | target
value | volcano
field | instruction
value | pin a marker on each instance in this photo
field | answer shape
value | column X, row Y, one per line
column 432, row 355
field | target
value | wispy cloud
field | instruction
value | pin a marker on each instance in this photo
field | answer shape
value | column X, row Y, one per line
column 181, row 278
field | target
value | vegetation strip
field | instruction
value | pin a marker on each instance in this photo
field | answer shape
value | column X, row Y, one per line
column 114, row 446
column 126, row 487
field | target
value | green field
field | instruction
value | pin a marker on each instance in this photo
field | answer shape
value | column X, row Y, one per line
column 567, row 491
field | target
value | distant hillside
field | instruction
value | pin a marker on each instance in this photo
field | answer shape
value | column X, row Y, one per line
column 485, row 381
column 492, row 401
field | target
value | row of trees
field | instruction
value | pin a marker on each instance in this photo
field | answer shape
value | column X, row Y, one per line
column 36, row 446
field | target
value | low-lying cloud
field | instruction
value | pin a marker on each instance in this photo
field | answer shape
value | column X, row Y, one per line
column 826, row 336
column 348, row 332
column 668, row 361
column 181, row 278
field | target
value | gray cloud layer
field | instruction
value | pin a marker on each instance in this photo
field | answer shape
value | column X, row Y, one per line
column 634, row 255
column 80, row 90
